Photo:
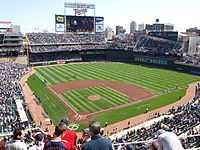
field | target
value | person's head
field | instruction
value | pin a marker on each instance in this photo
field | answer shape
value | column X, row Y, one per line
column 58, row 132
column 17, row 134
column 94, row 128
column 154, row 145
column 86, row 132
column 38, row 136
column 64, row 123
column 129, row 147
column 160, row 131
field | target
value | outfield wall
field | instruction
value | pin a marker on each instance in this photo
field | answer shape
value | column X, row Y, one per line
column 38, row 59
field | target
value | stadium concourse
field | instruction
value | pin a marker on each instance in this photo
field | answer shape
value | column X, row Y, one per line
column 182, row 120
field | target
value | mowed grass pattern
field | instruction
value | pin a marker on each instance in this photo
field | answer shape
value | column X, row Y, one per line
column 78, row 99
column 157, row 80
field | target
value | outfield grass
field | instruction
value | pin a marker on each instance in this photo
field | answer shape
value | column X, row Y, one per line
column 78, row 99
column 157, row 80
column 170, row 85
column 139, row 108
column 50, row 102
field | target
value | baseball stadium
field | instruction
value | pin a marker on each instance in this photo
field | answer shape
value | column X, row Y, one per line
column 82, row 84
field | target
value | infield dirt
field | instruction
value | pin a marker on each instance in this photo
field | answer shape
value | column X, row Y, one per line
column 133, row 92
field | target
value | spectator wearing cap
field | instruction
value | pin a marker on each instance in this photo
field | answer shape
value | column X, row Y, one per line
column 97, row 141
column 68, row 135
column 56, row 142
column 16, row 143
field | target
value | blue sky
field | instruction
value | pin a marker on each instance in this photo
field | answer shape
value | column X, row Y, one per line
column 40, row 13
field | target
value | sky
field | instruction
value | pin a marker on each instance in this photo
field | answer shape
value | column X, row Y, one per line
column 31, row 14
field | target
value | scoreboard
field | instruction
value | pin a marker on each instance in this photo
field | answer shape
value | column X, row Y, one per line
column 79, row 23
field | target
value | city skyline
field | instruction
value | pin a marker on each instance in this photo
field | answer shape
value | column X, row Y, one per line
column 41, row 14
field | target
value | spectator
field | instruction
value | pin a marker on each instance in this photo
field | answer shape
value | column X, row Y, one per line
column 2, row 144
column 16, row 143
column 167, row 141
column 85, row 138
column 68, row 134
column 56, row 142
column 38, row 144
column 97, row 141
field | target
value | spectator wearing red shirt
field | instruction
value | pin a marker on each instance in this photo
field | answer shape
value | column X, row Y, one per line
column 68, row 135
column 2, row 144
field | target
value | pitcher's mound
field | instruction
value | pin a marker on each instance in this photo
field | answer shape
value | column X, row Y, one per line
column 94, row 97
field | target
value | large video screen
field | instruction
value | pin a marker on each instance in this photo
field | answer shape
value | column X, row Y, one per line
column 79, row 23
column 83, row 23
column 1, row 38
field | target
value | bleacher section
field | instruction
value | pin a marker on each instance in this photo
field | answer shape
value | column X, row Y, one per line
column 12, row 111
column 157, row 45
column 181, row 120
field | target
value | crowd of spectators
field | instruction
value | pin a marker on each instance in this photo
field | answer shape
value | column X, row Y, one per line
column 53, row 48
column 127, row 42
column 54, row 38
column 191, row 59
column 10, row 91
column 45, row 42
column 63, row 138
column 157, row 45
column 51, row 42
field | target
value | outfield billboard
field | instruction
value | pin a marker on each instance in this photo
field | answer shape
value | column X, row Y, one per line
column 60, row 23
column 99, row 24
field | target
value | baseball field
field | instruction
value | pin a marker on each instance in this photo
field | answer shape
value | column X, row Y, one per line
column 107, row 92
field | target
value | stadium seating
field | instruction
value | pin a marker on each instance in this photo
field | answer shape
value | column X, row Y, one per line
column 54, row 38
column 157, row 45
column 11, row 97
column 49, row 42
column 180, row 120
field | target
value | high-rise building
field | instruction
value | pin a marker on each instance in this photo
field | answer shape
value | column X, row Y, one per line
column 194, row 45
column 141, row 27
column 133, row 27
column 109, row 34
column 120, row 30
